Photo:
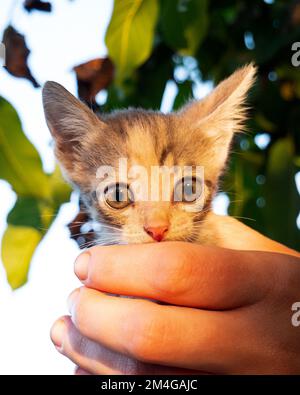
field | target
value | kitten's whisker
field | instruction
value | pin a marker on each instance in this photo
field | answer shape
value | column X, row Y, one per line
column 110, row 227
column 75, row 226
column 99, row 242
column 78, row 223
column 107, row 237
column 84, row 234
column 115, row 229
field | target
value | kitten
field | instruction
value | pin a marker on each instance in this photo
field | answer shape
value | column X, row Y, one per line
column 199, row 134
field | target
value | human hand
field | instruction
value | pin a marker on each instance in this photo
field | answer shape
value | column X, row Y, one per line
column 227, row 311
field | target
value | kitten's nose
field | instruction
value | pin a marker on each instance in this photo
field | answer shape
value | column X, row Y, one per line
column 156, row 232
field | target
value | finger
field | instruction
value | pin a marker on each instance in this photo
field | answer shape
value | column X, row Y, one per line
column 93, row 358
column 180, row 273
column 81, row 372
column 160, row 334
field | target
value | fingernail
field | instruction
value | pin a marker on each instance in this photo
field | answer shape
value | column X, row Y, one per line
column 57, row 333
column 81, row 266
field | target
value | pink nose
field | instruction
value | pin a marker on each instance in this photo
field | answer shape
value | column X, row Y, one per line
column 156, row 232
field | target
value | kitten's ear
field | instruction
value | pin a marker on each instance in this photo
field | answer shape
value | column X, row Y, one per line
column 71, row 123
column 224, row 105
column 222, row 113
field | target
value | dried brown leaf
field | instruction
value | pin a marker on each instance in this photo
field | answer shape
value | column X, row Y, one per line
column 38, row 5
column 16, row 55
column 92, row 77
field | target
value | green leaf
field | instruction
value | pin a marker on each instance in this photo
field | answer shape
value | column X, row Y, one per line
column 282, row 197
column 297, row 161
column 20, row 163
column 130, row 34
column 184, row 94
column 28, row 222
column 150, row 78
column 184, row 24
column 240, row 182
column 39, row 196
column 60, row 190
column 33, row 217
column 26, row 212
column 18, row 246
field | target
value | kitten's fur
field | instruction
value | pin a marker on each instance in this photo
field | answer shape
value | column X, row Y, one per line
column 199, row 134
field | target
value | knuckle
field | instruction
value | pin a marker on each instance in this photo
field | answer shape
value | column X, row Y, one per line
column 146, row 336
column 283, row 279
column 172, row 276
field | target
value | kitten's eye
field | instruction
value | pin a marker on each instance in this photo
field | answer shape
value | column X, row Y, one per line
column 118, row 196
column 188, row 190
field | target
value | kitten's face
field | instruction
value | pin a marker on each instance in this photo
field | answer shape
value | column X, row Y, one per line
column 149, row 142
column 199, row 135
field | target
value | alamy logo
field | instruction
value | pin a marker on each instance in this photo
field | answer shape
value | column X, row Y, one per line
column 296, row 315
column 135, row 183
column 2, row 54
column 296, row 56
